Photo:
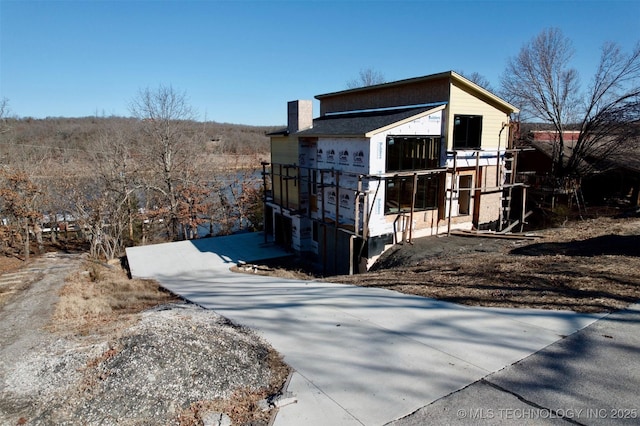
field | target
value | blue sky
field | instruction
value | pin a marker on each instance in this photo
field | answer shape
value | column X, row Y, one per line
column 241, row 61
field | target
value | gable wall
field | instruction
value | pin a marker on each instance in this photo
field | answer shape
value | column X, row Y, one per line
column 462, row 102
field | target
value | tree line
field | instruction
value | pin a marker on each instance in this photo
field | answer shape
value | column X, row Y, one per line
column 158, row 175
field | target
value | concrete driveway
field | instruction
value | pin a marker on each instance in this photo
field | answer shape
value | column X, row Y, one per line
column 362, row 356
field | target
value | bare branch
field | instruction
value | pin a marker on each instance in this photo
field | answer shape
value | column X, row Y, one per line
column 541, row 81
column 478, row 79
column 367, row 77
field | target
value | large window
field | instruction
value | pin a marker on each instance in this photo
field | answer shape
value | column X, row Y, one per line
column 466, row 131
column 399, row 193
column 412, row 152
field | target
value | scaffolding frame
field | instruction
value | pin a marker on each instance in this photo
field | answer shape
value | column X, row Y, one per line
column 285, row 175
column 505, row 181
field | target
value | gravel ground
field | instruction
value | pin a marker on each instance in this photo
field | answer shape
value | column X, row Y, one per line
column 177, row 364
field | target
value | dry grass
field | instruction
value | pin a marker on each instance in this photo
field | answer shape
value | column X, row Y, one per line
column 586, row 266
column 265, row 268
column 10, row 287
column 242, row 406
column 10, row 264
column 100, row 296
column 505, row 280
column 99, row 300
column 100, row 304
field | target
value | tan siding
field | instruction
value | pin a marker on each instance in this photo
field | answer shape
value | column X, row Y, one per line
column 284, row 150
column 463, row 102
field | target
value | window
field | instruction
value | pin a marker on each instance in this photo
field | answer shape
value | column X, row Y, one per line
column 464, row 194
column 412, row 153
column 399, row 193
column 466, row 131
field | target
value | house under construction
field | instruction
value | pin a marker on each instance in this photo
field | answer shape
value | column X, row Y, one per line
column 388, row 163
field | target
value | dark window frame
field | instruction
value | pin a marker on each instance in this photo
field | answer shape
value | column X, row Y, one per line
column 412, row 152
column 399, row 193
column 467, row 131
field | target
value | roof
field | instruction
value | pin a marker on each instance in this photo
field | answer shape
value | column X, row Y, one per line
column 451, row 75
column 280, row 132
column 364, row 123
column 625, row 157
column 547, row 147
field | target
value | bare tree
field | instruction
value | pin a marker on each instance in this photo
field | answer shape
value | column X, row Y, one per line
column 95, row 212
column 242, row 197
column 367, row 77
column 112, row 207
column 193, row 205
column 4, row 112
column 541, row 81
column 18, row 204
column 165, row 117
column 478, row 79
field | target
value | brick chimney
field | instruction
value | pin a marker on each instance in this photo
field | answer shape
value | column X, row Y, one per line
column 299, row 115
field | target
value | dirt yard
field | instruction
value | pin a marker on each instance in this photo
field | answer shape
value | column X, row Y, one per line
column 584, row 266
column 80, row 343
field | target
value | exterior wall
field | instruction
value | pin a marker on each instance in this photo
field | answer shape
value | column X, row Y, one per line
column 462, row 102
column 430, row 125
column 419, row 92
column 569, row 137
column 301, row 228
column 307, row 162
column 349, row 158
column 284, row 150
column 379, row 223
column 453, row 199
column 424, row 223
column 338, row 247
column 301, row 232
column 490, row 204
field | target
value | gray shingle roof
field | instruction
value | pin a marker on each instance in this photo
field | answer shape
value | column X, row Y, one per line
column 359, row 123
